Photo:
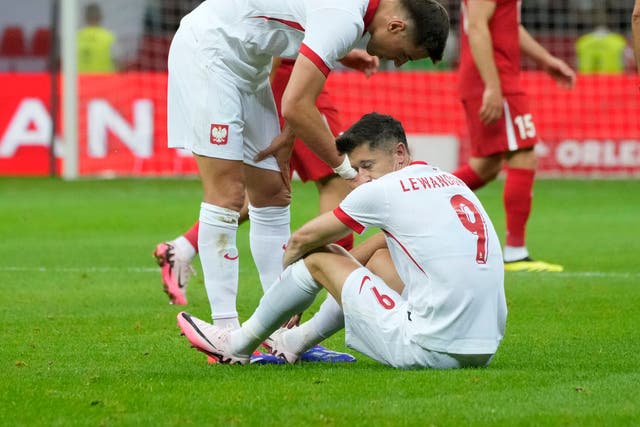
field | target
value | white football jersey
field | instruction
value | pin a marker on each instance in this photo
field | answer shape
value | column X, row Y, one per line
column 244, row 35
column 446, row 252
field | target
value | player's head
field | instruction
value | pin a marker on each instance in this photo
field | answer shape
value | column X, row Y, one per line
column 93, row 14
column 376, row 145
column 406, row 30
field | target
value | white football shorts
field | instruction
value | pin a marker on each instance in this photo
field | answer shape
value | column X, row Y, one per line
column 207, row 113
column 376, row 320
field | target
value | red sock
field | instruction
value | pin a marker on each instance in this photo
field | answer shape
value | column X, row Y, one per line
column 192, row 235
column 517, row 197
column 470, row 177
column 346, row 242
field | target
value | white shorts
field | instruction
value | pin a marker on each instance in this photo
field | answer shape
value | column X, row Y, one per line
column 376, row 320
column 207, row 113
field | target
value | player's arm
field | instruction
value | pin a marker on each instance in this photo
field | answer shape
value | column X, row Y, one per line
column 282, row 145
column 479, row 13
column 365, row 250
column 554, row 66
column 359, row 59
column 300, row 111
column 635, row 26
column 316, row 233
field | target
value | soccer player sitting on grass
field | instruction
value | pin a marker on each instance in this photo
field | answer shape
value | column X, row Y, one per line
column 427, row 292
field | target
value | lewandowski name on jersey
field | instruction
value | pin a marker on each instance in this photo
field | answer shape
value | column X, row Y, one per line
column 430, row 182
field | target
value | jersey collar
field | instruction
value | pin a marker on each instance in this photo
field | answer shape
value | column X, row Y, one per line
column 371, row 10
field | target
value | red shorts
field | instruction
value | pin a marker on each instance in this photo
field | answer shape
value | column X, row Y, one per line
column 515, row 130
column 304, row 161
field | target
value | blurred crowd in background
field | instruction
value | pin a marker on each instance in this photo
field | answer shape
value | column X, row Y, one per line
column 591, row 35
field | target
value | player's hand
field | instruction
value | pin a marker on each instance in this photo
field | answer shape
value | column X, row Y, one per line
column 491, row 109
column 293, row 322
column 281, row 148
column 560, row 72
column 357, row 181
column 360, row 60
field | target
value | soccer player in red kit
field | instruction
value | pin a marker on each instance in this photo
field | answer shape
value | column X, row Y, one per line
column 501, row 126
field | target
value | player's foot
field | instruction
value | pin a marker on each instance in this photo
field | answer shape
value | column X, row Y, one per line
column 275, row 345
column 176, row 272
column 260, row 358
column 210, row 339
column 529, row 265
column 318, row 353
column 257, row 358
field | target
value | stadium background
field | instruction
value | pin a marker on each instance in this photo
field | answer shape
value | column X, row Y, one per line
column 593, row 130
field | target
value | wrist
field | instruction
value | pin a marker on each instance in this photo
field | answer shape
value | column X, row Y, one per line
column 345, row 170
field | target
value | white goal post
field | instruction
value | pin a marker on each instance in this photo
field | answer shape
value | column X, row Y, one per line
column 68, row 25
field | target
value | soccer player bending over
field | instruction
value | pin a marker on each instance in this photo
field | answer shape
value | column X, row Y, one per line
column 427, row 292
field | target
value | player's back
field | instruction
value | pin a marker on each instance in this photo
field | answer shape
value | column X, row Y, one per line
column 447, row 253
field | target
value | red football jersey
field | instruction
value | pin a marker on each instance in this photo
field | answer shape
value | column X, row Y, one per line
column 503, row 26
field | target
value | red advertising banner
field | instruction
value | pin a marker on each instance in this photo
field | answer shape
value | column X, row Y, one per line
column 593, row 129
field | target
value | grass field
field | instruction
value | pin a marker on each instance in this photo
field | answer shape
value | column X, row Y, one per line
column 89, row 339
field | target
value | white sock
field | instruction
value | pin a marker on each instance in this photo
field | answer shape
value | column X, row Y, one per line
column 293, row 293
column 514, row 253
column 327, row 321
column 184, row 249
column 219, row 258
column 268, row 235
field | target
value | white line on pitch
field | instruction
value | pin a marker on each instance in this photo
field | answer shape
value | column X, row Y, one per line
column 610, row 274
column 80, row 269
column 605, row 274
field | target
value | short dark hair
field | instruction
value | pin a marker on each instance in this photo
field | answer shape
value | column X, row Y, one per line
column 431, row 25
column 93, row 13
column 380, row 131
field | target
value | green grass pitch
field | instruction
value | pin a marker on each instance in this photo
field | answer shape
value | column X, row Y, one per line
column 88, row 338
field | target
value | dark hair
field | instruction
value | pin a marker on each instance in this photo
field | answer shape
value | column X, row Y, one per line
column 380, row 131
column 431, row 25
column 92, row 13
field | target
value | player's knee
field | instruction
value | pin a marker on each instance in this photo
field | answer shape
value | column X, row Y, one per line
column 487, row 168
column 380, row 256
column 271, row 192
column 320, row 258
column 523, row 159
column 231, row 198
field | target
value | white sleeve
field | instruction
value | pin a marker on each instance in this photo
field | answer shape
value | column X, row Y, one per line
column 366, row 206
column 331, row 33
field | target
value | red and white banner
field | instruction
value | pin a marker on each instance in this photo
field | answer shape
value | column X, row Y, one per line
column 593, row 129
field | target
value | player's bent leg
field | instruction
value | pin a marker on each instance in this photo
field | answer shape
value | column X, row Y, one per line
column 327, row 321
column 375, row 318
column 381, row 265
column 292, row 293
column 330, row 267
